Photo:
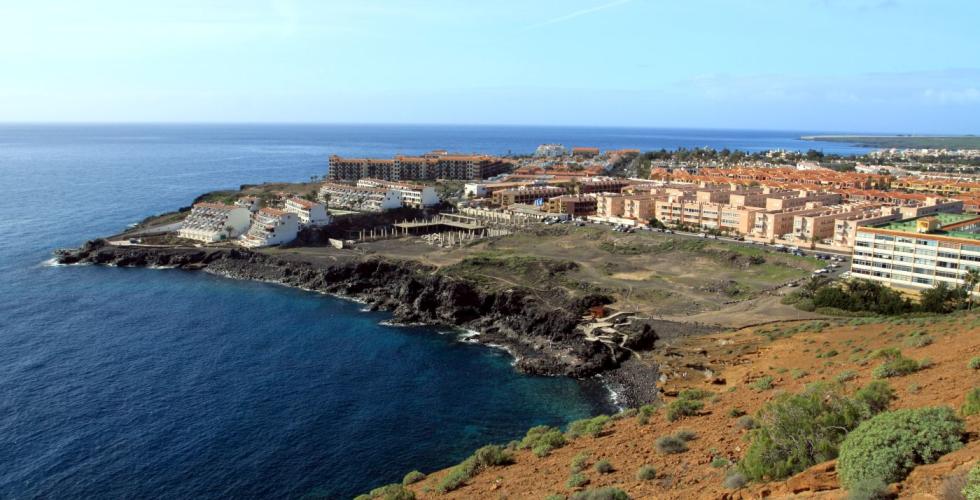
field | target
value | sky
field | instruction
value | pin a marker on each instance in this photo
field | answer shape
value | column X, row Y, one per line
column 888, row 66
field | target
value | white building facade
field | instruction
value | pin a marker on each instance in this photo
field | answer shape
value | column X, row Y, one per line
column 309, row 213
column 367, row 199
column 271, row 226
column 413, row 195
column 213, row 222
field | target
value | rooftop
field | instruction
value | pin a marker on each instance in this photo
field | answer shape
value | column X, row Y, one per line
column 949, row 225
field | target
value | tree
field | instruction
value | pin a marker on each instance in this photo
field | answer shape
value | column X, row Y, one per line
column 942, row 298
column 971, row 279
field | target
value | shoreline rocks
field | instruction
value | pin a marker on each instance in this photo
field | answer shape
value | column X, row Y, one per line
column 541, row 337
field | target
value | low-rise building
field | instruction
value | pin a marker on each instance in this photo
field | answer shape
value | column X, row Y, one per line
column 213, row 222
column 347, row 196
column 550, row 151
column 271, row 226
column 573, row 205
column 413, row 195
column 250, row 203
column 526, row 195
column 309, row 213
column 918, row 253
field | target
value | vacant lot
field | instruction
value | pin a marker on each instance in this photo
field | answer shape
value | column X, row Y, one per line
column 652, row 273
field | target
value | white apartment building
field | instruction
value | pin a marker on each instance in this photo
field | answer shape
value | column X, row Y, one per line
column 550, row 151
column 271, row 226
column 919, row 253
column 250, row 203
column 360, row 198
column 309, row 213
column 212, row 222
column 413, row 195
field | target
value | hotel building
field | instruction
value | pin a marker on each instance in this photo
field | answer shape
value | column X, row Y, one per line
column 212, row 222
column 413, row 195
column 271, row 226
column 309, row 213
column 367, row 199
column 431, row 166
column 920, row 253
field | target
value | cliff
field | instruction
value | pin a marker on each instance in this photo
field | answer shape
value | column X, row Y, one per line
column 542, row 337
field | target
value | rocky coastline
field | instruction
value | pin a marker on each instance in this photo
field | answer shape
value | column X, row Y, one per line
column 541, row 337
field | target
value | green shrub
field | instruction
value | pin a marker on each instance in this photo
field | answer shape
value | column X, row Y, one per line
column 579, row 462
column 845, row 376
column 607, row 493
column 797, row 431
column 745, row 422
column 542, row 439
column 763, row 383
column 413, row 477
column 719, row 462
column 889, row 445
column 491, row 455
column 458, row 475
column 971, row 406
column 736, row 412
column 918, row 339
column 683, row 408
column 577, row 480
column 871, row 488
column 671, row 444
column 685, row 434
column 895, row 364
column 694, row 394
column 975, row 363
column 797, row 373
column 646, row 473
column 393, row 491
column 972, row 489
column 645, row 412
column 603, row 466
column 876, row 396
column 589, row 426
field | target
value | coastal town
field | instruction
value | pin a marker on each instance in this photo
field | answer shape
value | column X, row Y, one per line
column 908, row 229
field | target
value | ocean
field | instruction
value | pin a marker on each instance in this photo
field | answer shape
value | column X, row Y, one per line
column 139, row 383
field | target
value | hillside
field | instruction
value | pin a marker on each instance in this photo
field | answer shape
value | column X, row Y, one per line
column 743, row 370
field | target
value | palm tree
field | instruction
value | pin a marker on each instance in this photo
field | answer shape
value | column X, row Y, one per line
column 971, row 280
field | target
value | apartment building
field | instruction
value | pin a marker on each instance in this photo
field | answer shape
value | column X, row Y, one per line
column 213, row 222
column 271, row 226
column 572, row 205
column 250, row 203
column 308, row 213
column 413, row 195
column 368, row 199
column 918, row 253
column 550, row 151
column 526, row 195
column 431, row 166
column 585, row 152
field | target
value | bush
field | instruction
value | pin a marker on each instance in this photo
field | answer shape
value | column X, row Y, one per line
column 646, row 473
column 971, row 405
column 390, row 492
column 736, row 412
column 972, row 489
column 683, row 408
column 577, row 480
column 763, row 383
column 607, row 493
column 413, row 477
column 975, row 363
column 645, row 412
column 492, row 455
column 542, row 439
column 719, row 462
column 858, row 295
column 797, row 431
column 735, row 481
column 868, row 489
column 589, row 426
column 603, row 467
column 889, row 445
column 745, row 422
column 579, row 462
column 458, row 475
column 876, row 396
column 895, row 364
column 671, row 444
column 918, row 340
column 686, row 434
column 845, row 376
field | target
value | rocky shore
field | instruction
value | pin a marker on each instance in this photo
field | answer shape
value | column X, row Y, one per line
column 541, row 337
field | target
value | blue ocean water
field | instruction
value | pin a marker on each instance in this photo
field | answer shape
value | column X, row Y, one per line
column 136, row 383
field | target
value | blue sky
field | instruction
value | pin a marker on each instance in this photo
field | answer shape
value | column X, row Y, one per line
column 848, row 65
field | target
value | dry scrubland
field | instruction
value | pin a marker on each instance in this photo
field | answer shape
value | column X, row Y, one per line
column 652, row 273
column 732, row 376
